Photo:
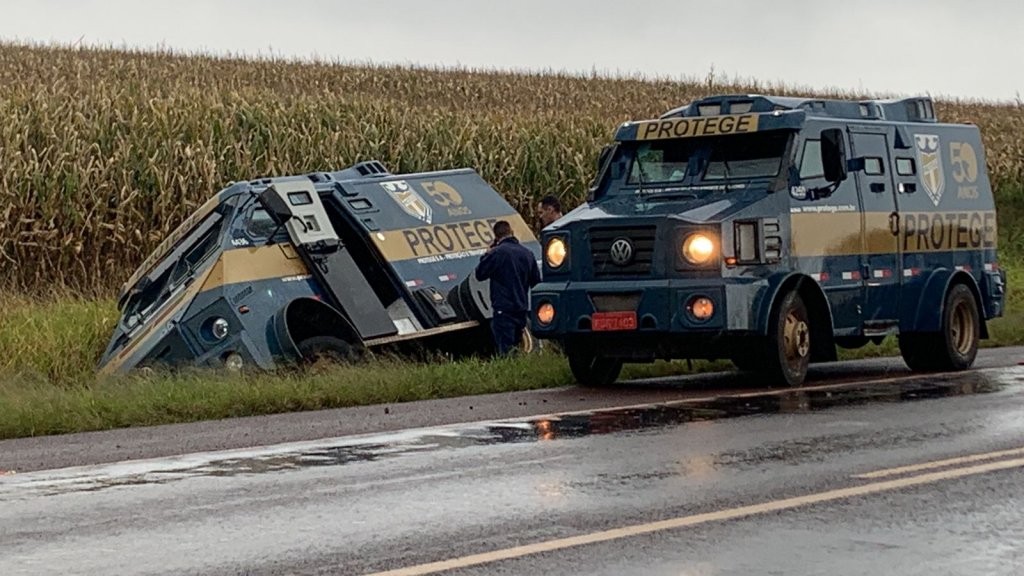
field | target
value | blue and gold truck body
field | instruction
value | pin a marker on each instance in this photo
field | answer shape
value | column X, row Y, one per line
column 768, row 231
column 279, row 270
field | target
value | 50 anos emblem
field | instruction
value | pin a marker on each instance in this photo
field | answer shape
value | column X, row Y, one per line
column 929, row 157
column 409, row 199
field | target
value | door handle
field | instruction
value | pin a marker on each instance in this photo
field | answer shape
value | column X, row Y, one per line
column 894, row 223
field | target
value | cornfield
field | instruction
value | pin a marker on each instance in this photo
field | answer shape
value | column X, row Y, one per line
column 103, row 152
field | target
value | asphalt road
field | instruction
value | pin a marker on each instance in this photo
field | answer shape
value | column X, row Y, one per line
column 720, row 479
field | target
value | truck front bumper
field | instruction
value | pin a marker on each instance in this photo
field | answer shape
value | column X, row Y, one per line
column 662, row 307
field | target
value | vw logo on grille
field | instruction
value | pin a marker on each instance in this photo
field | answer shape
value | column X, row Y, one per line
column 621, row 252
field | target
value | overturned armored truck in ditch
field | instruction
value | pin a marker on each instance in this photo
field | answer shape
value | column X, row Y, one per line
column 280, row 270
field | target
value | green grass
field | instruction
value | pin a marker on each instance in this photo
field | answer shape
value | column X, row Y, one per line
column 48, row 353
column 58, row 341
column 33, row 407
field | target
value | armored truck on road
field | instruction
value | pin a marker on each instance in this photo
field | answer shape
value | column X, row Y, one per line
column 771, row 230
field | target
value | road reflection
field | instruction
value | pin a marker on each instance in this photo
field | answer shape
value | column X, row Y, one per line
column 550, row 428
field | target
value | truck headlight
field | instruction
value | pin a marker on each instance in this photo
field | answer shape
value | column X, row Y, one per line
column 545, row 313
column 217, row 328
column 701, row 308
column 555, row 252
column 698, row 249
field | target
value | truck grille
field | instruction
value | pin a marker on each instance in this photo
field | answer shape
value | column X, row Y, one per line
column 641, row 240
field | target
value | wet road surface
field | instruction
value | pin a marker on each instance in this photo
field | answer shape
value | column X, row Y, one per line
column 47, row 452
column 807, row 481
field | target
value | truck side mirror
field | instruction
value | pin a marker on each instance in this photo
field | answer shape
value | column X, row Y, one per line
column 833, row 155
column 602, row 166
column 279, row 210
column 605, row 152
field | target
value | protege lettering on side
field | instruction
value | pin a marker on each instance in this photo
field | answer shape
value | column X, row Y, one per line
column 701, row 126
column 932, row 232
column 444, row 238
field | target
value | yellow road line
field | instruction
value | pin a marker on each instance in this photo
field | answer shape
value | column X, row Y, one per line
column 939, row 464
column 687, row 521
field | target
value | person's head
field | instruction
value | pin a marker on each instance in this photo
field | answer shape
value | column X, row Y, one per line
column 502, row 230
column 550, row 209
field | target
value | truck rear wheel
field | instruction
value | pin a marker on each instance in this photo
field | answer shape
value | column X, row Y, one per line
column 591, row 369
column 787, row 351
column 955, row 346
column 327, row 348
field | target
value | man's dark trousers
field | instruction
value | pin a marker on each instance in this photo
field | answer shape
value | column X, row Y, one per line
column 508, row 330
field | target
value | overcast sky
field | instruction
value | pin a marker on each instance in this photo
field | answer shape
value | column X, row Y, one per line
column 941, row 47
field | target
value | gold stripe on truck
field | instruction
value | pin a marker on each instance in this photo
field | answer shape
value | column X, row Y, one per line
column 246, row 265
column 432, row 242
column 839, row 233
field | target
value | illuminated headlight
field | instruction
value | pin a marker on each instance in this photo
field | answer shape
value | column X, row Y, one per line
column 698, row 249
column 555, row 252
column 218, row 328
column 701, row 308
column 545, row 313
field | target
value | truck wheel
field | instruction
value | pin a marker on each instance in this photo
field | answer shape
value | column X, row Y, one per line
column 593, row 370
column 955, row 346
column 788, row 347
column 329, row 348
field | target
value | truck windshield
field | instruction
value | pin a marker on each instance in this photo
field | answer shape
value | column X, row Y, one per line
column 179, row 265
column 708, row 159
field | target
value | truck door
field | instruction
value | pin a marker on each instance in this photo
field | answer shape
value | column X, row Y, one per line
column 296, row 205
column 881, row 261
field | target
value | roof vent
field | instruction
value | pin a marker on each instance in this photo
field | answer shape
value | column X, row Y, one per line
column 371, row 168
column 920, row 110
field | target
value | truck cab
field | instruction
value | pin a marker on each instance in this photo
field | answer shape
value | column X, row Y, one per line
column 769, row 230
column 282, row 270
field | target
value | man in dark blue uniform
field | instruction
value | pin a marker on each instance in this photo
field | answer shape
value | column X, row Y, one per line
column 512, row 270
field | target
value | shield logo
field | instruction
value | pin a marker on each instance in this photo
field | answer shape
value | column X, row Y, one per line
column 409, row 199
column 933, row 177
column 621, row 252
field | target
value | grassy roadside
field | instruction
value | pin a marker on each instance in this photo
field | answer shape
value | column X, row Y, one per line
column 48, row 352
column 32, row 406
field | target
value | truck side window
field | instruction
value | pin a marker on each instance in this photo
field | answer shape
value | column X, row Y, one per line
column 873, row 166
column 260, row 224
column 200, row 250
column 810, row 163
column 905, row 166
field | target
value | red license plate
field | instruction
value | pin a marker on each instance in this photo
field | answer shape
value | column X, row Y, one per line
column 610, row 321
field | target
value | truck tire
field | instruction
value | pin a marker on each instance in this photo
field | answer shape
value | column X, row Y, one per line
column 330, row 348
column 475, row 298
column 955, row 346
column 593, row 370
column 787, row 350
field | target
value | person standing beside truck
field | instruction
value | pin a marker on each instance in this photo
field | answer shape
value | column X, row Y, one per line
column 550, row 210
column 512, row 270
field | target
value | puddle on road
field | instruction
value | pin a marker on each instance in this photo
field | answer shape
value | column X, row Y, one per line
column 344, row 451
